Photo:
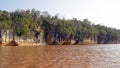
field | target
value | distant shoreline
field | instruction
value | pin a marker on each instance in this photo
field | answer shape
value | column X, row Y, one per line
column 38, row 44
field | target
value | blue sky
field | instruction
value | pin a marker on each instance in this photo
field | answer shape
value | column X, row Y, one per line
column 105, row 12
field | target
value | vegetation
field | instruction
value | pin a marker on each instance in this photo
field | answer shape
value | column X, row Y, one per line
column 62, row 30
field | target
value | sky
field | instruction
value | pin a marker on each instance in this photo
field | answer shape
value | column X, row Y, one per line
column 104, row 12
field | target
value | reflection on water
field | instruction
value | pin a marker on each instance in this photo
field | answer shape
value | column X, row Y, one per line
column 87, row 56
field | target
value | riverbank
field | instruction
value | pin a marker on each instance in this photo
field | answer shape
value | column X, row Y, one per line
column 87, row 42
column 40, row 44
column 21, row 44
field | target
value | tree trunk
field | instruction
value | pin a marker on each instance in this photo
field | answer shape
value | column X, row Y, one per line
column 13, row 35
column 9, row 35
column 5, row 36
column 0, row 34
column 0, row 37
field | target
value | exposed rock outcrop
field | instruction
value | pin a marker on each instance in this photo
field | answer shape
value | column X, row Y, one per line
column 12, row 43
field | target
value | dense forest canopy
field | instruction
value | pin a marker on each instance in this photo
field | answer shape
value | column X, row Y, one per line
column 27, row 22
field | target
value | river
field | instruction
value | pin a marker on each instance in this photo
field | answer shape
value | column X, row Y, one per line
column 73, row 56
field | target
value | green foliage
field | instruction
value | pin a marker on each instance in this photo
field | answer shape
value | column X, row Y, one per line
column 25, row 22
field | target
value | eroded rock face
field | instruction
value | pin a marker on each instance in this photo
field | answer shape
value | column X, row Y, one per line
column 0, row 43
column 67, row 42
column 76, row 42
column 12, row 43
column 49, row 38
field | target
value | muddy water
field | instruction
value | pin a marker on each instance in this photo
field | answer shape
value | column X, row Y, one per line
column 87, row 56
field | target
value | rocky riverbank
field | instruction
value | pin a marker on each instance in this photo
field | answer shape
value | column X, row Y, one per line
column 14, row 43
column 20, row 44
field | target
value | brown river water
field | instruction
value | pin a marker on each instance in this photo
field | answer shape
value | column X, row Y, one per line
column 75, row 56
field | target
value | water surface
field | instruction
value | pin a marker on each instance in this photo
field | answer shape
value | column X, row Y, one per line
column 76, row 56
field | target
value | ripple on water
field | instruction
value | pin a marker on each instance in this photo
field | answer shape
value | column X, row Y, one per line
column 93, row 56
